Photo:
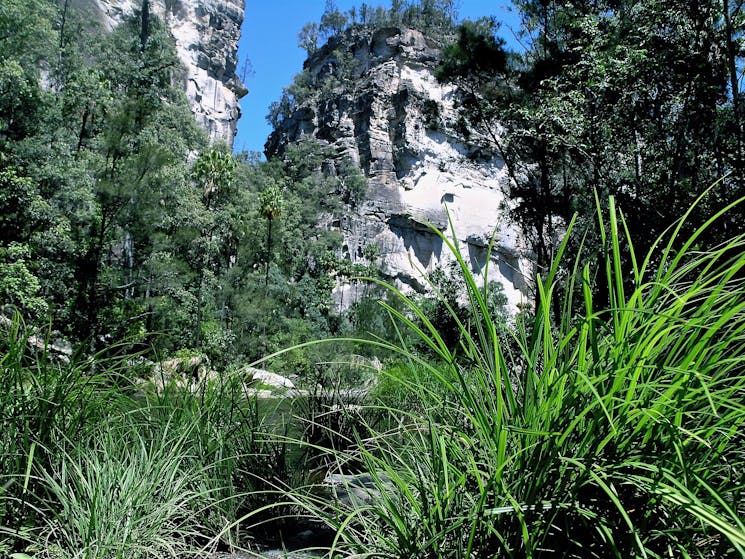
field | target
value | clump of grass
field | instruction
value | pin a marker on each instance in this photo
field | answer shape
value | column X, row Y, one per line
column 230, row 435
column 95, row 465
column 617, row 431
column 122, row 493
column 41, row 397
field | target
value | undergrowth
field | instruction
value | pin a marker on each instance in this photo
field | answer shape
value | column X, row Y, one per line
column 611, row 428
column 95, row 463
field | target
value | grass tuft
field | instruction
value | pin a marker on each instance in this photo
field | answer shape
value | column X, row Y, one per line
column 612, row 431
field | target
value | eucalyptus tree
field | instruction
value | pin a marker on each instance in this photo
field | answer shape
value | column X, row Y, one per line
column 333, row 21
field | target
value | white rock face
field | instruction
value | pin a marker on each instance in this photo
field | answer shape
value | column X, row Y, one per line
column 270, row 379
column 399, row 124
column 206, row 34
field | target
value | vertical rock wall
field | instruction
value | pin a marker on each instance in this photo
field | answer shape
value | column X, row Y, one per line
column 206, row 34
column 399, row 124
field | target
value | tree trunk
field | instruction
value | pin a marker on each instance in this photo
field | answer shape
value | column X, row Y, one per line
column 198, row 328
column 81, row 135
column 734, row 82
column 268, row 252
column 91, row 326
column 61, row 44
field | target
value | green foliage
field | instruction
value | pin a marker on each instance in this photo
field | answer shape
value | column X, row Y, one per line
column 93, row 178
column 41, row 399
column 340, row 67
column 19, row 95
column 605, row 98
column 436, row 18
column 622, row 396
column 280, row 110
column 19, row 287
column 26, row 31
column 400, row 385
column 446, row 307
column 477, row 52
column 277, row 298
column 431, row 114
column 94, row 465
column 271, row 202
column 270, row 208
column 215, row 171
column 308, row 38
column 23, row 210
column 333, row 22
column 615, row 433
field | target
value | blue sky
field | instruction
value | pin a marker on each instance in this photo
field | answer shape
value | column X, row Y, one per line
column 269, row 41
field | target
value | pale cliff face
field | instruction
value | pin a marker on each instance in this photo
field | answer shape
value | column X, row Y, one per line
column 399, row 124
column 206, row 34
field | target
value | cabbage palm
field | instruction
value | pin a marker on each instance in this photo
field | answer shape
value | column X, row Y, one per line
column 270, row 207
column 214, row 171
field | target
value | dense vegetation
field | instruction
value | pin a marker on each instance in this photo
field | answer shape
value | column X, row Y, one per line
column 435, row 17
column 606, row 421
column 119, row 222
column 640, row 100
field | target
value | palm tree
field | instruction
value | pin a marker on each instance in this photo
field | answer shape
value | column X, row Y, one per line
column 270, row 207
column 214, row 171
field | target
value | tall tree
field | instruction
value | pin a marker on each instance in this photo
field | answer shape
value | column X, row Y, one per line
column 308, row 38
column 215, row 172
column 271, row 204
column 333, row 21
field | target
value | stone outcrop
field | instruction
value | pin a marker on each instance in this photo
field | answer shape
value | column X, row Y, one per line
column 376, row 100
column 206, row 34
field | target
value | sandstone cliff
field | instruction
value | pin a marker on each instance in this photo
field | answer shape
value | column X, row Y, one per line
column 206, row 34
column 376, row 100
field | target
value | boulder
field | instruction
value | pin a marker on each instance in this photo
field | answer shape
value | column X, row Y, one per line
column 266, row 378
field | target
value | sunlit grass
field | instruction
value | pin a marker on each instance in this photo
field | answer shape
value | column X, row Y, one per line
column 615, row 431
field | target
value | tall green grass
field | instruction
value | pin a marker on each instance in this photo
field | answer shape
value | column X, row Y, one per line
column 40, row 398
column 96, row 464
column 124, row 494
column 613, row 431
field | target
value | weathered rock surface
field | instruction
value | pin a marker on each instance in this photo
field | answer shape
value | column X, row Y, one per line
column 206, row 34
column 259, row 376
column 387, row 113
column 355, row 491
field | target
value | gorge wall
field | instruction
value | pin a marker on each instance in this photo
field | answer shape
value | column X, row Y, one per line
column 206, row 34
column 375, row 100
